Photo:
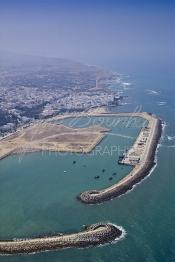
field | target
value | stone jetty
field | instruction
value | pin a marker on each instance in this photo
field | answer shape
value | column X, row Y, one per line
column 92, row 235
column 141, row 156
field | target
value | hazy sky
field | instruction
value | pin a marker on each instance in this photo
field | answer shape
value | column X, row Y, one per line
column 88, row 29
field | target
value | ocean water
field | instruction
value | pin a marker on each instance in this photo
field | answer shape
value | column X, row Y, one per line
column 37, row 196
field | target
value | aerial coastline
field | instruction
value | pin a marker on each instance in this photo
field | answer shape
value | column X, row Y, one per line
column 94, row 234
column 60, row 138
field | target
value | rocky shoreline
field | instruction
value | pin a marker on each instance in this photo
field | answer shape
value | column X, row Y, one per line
column 98, row 196
column 92, row 235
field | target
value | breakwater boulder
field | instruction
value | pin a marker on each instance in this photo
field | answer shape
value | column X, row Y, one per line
column 91, row 235
column 137, row 174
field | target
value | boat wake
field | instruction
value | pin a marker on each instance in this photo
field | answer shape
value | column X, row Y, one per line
column 166, row 146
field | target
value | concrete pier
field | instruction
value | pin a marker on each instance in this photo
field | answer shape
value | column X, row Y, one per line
column 142, row 165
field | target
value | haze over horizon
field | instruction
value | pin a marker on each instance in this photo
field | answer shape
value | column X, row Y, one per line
column 87, row 130
column 89, row 31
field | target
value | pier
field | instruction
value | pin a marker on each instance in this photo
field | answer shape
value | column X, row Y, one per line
column 141, row 156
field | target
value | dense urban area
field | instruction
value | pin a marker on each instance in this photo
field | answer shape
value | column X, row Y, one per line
column 36, row 88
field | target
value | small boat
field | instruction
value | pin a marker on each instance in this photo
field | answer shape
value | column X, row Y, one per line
column 65, row 171
column 96, row 177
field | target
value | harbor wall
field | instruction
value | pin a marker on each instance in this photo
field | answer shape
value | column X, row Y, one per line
column 92, row 235
column 95, row 196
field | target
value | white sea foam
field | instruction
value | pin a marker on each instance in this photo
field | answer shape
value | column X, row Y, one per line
column 126, row 84
column 163, row 103
column 123, row 235
column 171, row 138
column 143, row 179
column 153, row 168
column 164, row 124
column 152, row 92
column 171, row 146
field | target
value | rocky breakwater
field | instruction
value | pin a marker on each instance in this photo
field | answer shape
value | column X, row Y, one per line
column 140, row 170
column 92, row 235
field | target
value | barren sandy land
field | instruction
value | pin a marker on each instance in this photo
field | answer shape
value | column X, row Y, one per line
column 52, row 137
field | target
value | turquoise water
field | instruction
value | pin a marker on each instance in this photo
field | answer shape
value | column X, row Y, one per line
column 38, row 191
column 34, row 199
